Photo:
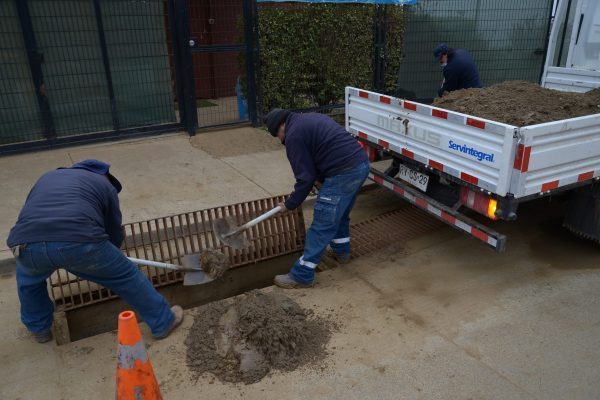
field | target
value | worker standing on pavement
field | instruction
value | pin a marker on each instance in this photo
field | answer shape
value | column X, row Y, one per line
column 72, row 220
column 325, row 155
column 459, row 68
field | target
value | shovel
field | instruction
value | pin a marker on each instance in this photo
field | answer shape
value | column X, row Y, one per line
column 193, row 276
column 231, row 235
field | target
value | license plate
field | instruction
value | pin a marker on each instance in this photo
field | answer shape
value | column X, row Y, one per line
column 413, row 177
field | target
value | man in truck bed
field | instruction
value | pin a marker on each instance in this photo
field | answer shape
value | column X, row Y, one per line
column 459, row 68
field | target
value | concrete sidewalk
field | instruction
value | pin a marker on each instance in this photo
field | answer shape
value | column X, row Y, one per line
column 442, row 318
column 162, row 175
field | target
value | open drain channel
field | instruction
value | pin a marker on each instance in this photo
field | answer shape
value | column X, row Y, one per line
column 392, row 228
column 84, row 309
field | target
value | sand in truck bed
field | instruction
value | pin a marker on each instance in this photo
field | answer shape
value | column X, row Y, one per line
column 521, row 103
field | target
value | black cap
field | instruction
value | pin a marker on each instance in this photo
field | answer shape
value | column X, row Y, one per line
column 275, row 118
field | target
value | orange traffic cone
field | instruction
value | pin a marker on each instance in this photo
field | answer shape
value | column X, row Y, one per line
column 135, row 376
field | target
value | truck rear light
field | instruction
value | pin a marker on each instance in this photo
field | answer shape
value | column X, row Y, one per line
column 479, row 202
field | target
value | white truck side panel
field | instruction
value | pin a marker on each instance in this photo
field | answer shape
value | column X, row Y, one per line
column 558, row 153
column 570, row 79
column 478, row 151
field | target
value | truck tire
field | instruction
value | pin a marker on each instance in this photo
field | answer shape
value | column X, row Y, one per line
column 583, row 212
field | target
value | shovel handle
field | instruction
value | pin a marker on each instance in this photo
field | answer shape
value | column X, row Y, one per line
column 156, row 264
column 255, row 221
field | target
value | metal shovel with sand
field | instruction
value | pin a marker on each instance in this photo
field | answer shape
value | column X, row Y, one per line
column 231, row 234
column 201, row 268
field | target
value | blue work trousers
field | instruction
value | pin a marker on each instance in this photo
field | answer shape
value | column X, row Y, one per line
column 331, row 221
column 100, row 262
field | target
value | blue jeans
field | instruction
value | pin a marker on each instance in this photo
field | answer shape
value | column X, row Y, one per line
column 100, row 262
column 331, row 221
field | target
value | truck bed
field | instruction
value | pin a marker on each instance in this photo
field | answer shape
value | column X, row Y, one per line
column 494, row 157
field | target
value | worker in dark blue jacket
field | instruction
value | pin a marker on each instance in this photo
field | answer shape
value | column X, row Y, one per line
column 325, row 155
column 459, row 68
column 72, row 220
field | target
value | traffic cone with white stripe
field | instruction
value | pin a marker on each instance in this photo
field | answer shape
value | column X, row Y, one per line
column 135, row 376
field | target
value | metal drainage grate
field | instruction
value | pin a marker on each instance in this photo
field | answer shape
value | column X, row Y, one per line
column 396, row 227
column 170, row 238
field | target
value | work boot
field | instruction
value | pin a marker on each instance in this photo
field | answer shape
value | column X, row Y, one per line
column 178, row 313
column 42, row 337
column 287, row 282
column 339, row 258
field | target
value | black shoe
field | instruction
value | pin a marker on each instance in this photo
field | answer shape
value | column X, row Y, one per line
column 42, row 337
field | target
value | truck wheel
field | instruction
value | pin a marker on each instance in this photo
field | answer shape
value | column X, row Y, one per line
column 583, row 212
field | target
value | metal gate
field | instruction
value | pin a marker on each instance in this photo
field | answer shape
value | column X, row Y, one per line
column 96, row 69
column 221, row 43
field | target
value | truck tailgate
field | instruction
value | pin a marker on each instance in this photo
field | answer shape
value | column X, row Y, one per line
column 557, row 154
column 478, row 151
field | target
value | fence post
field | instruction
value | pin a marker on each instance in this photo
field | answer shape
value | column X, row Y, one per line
column 184, row 65
column 35, row 64
column 378, row 35
column 249, row 35
column 106, row 63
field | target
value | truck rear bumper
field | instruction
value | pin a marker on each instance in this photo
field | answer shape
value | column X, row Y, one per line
column 455, row 219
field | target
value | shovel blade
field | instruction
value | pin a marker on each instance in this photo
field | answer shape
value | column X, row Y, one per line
column 196, row 278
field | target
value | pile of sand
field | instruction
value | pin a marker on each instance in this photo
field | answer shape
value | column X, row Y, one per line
column 243, row 338
column 521, row 103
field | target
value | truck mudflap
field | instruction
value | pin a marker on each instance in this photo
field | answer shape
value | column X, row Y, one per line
column 458, row 221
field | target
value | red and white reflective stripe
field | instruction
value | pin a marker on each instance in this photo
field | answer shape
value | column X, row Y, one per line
column 423, row 204
column 430, row 163
column 341, row 240
column 522, row 161
column 555, row 184
column 432, row 111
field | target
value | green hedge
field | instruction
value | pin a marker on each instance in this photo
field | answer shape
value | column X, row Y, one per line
column 310, row 52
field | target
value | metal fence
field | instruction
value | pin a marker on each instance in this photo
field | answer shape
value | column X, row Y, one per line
column 507, row 39
column 95, row 69
column 169, row 238
column 71, row 68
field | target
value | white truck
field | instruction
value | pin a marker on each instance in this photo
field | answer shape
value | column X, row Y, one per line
column 446, row 160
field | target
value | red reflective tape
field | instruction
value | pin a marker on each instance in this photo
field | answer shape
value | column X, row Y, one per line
column 383, row 144
column 408, row 153
column 479, row 234
column 363, row 94
column 410, row 106
column 549, row 186
column 385, row 100
column 526, row 157
column 399, row 190
column 469, row 178
column 421, row 203
column 519, row 157
column 363, row 135
column 378, row 179
column 439, row 113
column 476, row 123
column 585, row 177
column 449, row 218
column 436, row 165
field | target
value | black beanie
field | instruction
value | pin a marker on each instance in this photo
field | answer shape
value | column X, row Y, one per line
column 274, row 119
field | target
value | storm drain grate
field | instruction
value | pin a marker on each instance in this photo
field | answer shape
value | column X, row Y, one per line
column 170, row 238
column 396, row 227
